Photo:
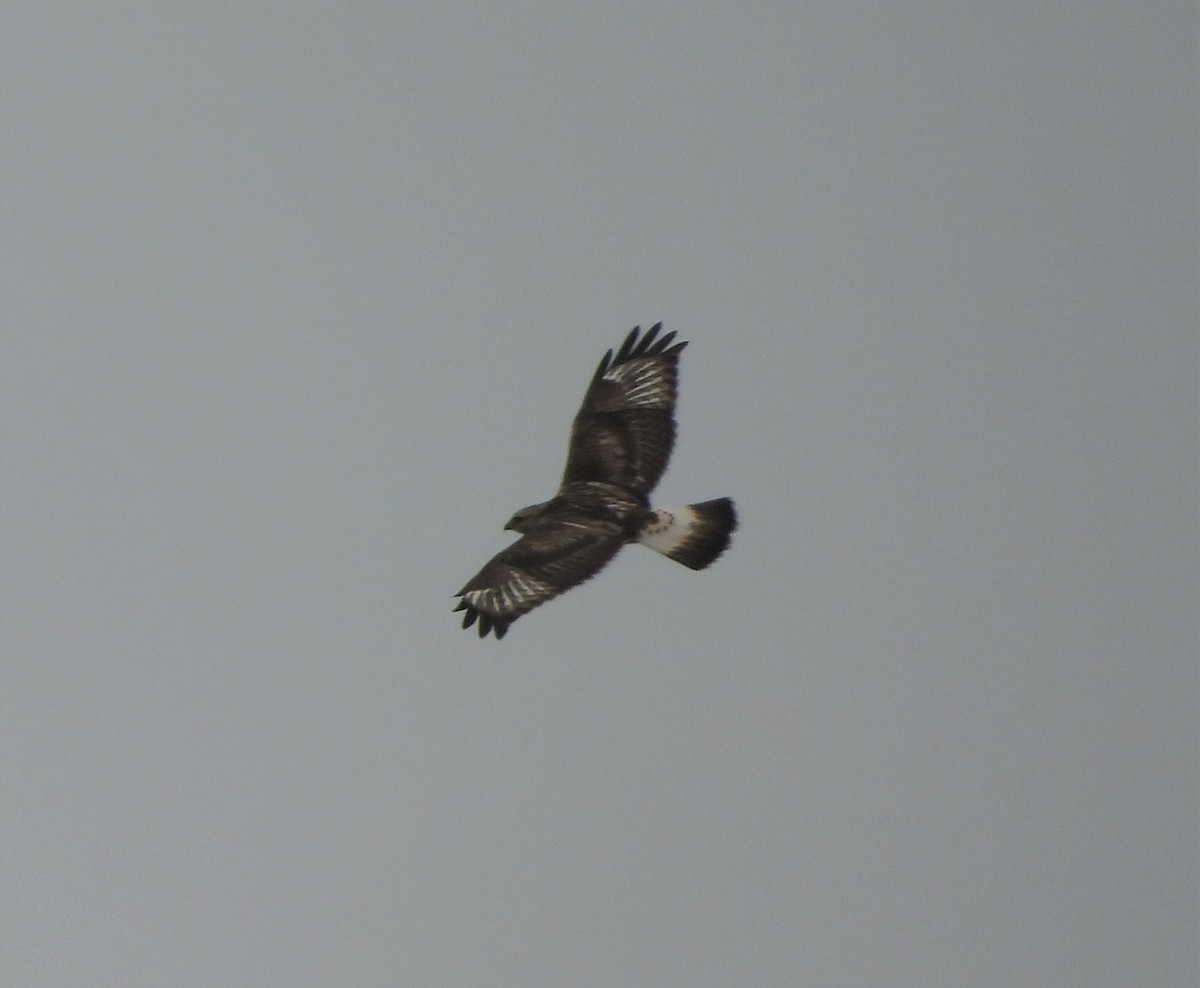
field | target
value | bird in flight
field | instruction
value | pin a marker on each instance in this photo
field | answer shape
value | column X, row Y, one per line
column 620, row 443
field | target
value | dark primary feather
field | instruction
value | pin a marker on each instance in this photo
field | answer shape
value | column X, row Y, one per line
column 625, row 429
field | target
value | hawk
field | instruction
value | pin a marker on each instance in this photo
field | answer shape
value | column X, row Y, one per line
column 620, row 443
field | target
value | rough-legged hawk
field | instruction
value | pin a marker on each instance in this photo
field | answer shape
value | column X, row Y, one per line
column 620, row 444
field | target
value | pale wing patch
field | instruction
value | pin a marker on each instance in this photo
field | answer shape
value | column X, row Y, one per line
column 518, row 593
column 643, row 383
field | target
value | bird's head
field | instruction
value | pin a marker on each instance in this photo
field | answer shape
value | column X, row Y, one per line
column 523, row 519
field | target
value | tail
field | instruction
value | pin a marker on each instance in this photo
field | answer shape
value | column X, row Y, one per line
column 694, row 534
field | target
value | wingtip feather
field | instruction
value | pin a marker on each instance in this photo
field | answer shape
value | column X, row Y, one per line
column 650, row 344
column 628, row 346
column 604, row 365
column 488, row 624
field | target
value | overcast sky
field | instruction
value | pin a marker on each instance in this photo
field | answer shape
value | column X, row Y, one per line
column 298, row 302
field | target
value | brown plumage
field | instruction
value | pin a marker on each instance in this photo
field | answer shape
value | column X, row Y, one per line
column 620, row 443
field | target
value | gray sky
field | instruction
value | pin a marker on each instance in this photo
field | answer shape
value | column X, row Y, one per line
column 298, row 302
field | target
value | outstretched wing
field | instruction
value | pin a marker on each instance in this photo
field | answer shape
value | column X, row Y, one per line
column 624, row 432
column 536, row 568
